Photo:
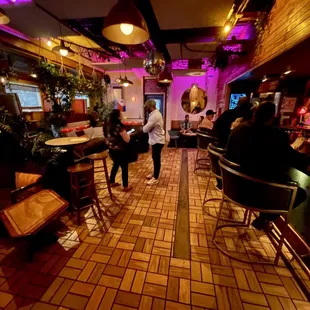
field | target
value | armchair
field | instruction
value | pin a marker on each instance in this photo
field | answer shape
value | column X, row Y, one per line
column 26, row 184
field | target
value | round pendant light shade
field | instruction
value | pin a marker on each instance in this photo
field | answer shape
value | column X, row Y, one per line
column 165, row 76
column 4, row 19
column 125, row 82
column 63, row 50
column 125, row 24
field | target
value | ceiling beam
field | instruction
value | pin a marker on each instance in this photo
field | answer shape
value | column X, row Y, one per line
column 32, row 48
column 146, row 9
column 193, row 35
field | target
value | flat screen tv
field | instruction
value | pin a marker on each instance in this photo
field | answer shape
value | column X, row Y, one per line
column 234, row 98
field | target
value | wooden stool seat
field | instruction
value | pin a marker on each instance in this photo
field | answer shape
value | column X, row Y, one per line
column 102, row 156
column 80, row 168
column 99, row 156
column 83, row 191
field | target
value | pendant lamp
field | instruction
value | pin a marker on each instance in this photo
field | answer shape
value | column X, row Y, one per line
column 125, row 24
column 125, row 82
column 165, row 76
column 4, row 19
column 63, row 50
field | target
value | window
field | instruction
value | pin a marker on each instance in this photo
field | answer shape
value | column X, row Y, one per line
column 29, row 95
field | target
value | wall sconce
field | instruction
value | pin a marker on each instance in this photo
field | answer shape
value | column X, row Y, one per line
column 133, row 98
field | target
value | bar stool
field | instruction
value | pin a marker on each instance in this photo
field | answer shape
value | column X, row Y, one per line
column 251, row 194
column 203, row 140
column 103, row 157
column 83, row 191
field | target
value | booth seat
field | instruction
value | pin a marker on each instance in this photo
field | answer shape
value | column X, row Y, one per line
column 175, row 124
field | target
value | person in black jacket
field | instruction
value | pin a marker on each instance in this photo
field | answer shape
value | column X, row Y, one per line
column 263, row 151
column 222, row 126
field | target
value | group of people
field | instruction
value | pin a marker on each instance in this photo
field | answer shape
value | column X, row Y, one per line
column 250, row 139
column 118, row 141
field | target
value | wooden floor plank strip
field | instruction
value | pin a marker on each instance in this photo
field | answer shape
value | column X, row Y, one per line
column 182, row 234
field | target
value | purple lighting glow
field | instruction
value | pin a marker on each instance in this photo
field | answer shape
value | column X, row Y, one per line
column 180, row 64
column 5, row 3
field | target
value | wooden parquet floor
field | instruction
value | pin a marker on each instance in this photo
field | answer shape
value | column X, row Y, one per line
column 122, row 258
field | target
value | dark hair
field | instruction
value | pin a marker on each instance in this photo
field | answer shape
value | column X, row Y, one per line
column 265, row 112
column 112, row 122
column 186, row 115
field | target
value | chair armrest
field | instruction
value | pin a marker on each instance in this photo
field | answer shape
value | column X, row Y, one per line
column 16, row 192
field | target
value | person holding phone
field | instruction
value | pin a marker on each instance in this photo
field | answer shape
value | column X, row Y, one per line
column 155, row 129
column 118, row 141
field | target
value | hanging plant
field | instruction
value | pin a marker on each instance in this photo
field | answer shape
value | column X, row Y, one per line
column 58, row 86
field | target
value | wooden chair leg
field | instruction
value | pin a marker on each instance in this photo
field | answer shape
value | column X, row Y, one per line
column 107, row 178
column 77, row 199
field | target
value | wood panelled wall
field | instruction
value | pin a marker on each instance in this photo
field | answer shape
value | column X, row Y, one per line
column 289, row 24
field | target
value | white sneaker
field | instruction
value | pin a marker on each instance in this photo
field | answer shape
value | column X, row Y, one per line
column 149, row 176
column 153, row 181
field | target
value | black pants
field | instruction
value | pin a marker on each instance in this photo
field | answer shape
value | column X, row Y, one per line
column 156, row 155
column 120, row 159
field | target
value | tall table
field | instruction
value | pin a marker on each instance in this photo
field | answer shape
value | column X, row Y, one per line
column 67, row 143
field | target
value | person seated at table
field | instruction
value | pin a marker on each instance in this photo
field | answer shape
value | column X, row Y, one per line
column 245, row 115
column 222, row 125
column 264, row 152
column 186, row 125
column 118, row 142
column 207, row 122
column 201, row 118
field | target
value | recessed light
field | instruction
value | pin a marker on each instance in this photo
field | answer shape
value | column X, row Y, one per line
column 196, row 73
column 287, row 72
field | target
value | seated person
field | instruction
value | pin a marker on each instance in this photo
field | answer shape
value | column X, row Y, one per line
column 222, row 125
column 186, row 125
column 245, row 115
column 264, row 152
column 200, row 120
column 207, row 122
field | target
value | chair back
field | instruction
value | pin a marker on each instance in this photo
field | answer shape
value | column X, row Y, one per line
column 256, row 194
column 174, row 133
column 203, row 139
column 215, row 154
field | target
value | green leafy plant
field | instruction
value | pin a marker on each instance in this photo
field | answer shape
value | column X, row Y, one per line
column 59, row 87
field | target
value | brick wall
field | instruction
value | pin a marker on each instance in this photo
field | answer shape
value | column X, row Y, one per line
column 289, row 24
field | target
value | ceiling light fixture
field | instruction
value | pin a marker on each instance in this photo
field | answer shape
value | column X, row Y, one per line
column 196, row 73
column 165, row 76
column 34, row 75
column 264, row 79
column 227, row 28
column 63, row 50
column 49, row 43
column 288, row 72
column 125, row 82
column 4, row 19
column 125, row 24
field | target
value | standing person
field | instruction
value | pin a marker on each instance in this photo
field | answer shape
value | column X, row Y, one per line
column 118, row 148
column 207, row 122
column 186, row 125
column 155, row 129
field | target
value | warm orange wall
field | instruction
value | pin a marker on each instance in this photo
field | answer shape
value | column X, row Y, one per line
column 289, row 24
